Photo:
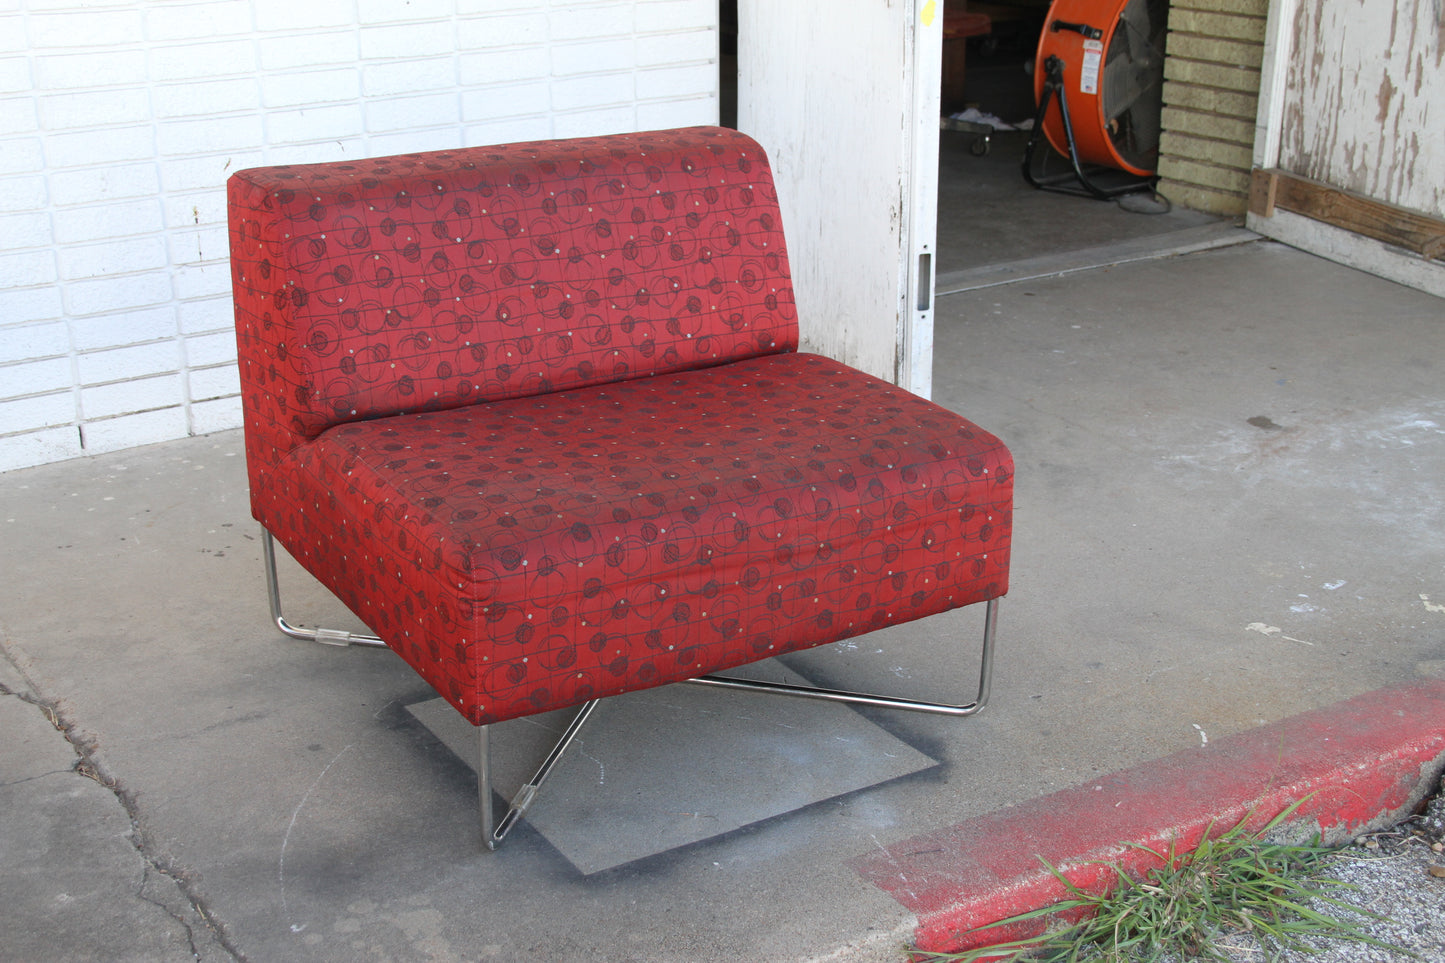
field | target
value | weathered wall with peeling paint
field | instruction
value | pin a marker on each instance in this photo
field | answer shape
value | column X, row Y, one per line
column 1364, row 106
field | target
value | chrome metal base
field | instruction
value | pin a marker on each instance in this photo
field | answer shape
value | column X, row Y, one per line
column 493, row 830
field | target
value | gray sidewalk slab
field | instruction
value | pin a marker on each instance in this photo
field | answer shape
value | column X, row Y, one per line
column 1231, row 488
column 76, row 885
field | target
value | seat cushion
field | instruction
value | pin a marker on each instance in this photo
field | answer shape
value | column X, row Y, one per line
column 529, row 554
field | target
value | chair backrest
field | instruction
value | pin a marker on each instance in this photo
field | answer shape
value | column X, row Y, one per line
column 435, row 280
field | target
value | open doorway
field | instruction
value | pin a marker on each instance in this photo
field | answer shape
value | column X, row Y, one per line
column 826, row 96
column 728, row 63
column 988, row 215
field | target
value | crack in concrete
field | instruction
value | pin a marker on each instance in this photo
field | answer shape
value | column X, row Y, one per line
column 89, row 764
column 141, row 894
column 37, row 776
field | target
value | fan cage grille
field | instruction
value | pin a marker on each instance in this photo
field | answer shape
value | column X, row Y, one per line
column 1132, row 84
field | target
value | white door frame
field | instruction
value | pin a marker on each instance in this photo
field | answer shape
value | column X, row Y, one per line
column 844, row 96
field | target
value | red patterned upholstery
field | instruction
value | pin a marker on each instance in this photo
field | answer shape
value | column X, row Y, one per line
column 535, row 414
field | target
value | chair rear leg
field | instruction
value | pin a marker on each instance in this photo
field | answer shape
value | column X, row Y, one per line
column 273, row 596
column 985, row 683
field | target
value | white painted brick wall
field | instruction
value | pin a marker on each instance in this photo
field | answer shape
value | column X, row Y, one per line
column 120, row 122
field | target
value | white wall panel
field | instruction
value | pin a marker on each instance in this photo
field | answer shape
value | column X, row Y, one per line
column 119, row 124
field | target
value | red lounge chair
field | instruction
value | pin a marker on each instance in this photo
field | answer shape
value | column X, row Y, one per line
column 536, row 414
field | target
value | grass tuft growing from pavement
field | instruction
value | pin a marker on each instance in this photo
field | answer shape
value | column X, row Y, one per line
column 1232, row 888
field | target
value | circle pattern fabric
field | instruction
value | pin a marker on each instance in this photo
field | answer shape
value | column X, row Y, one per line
column 429, row 281
column 534, row 553
column 535, row 414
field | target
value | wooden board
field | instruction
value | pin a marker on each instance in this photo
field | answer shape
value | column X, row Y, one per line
column 1402, row 227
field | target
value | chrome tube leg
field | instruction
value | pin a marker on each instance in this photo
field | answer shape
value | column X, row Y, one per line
column 273, row 585
column 273, row 597
column 492, row 834
column 985, row 681
column 484, row 785
column 985, row 671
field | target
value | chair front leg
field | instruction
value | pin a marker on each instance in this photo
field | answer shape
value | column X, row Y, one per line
column 493, row 834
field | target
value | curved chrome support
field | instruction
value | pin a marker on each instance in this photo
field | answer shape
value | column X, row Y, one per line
column 985, row 683
column 273, row 596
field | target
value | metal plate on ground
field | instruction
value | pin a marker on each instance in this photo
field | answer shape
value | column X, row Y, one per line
column 655, row 770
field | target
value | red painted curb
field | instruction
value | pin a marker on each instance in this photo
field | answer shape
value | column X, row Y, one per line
column 1364, row 762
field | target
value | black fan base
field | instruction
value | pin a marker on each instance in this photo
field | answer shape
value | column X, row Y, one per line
column 1084, row 180
column 1088, row 180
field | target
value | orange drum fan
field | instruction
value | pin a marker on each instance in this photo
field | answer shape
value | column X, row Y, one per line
column 1102, row 61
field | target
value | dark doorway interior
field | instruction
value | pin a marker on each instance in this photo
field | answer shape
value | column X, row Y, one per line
column 987, row 213
column 728, row 63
